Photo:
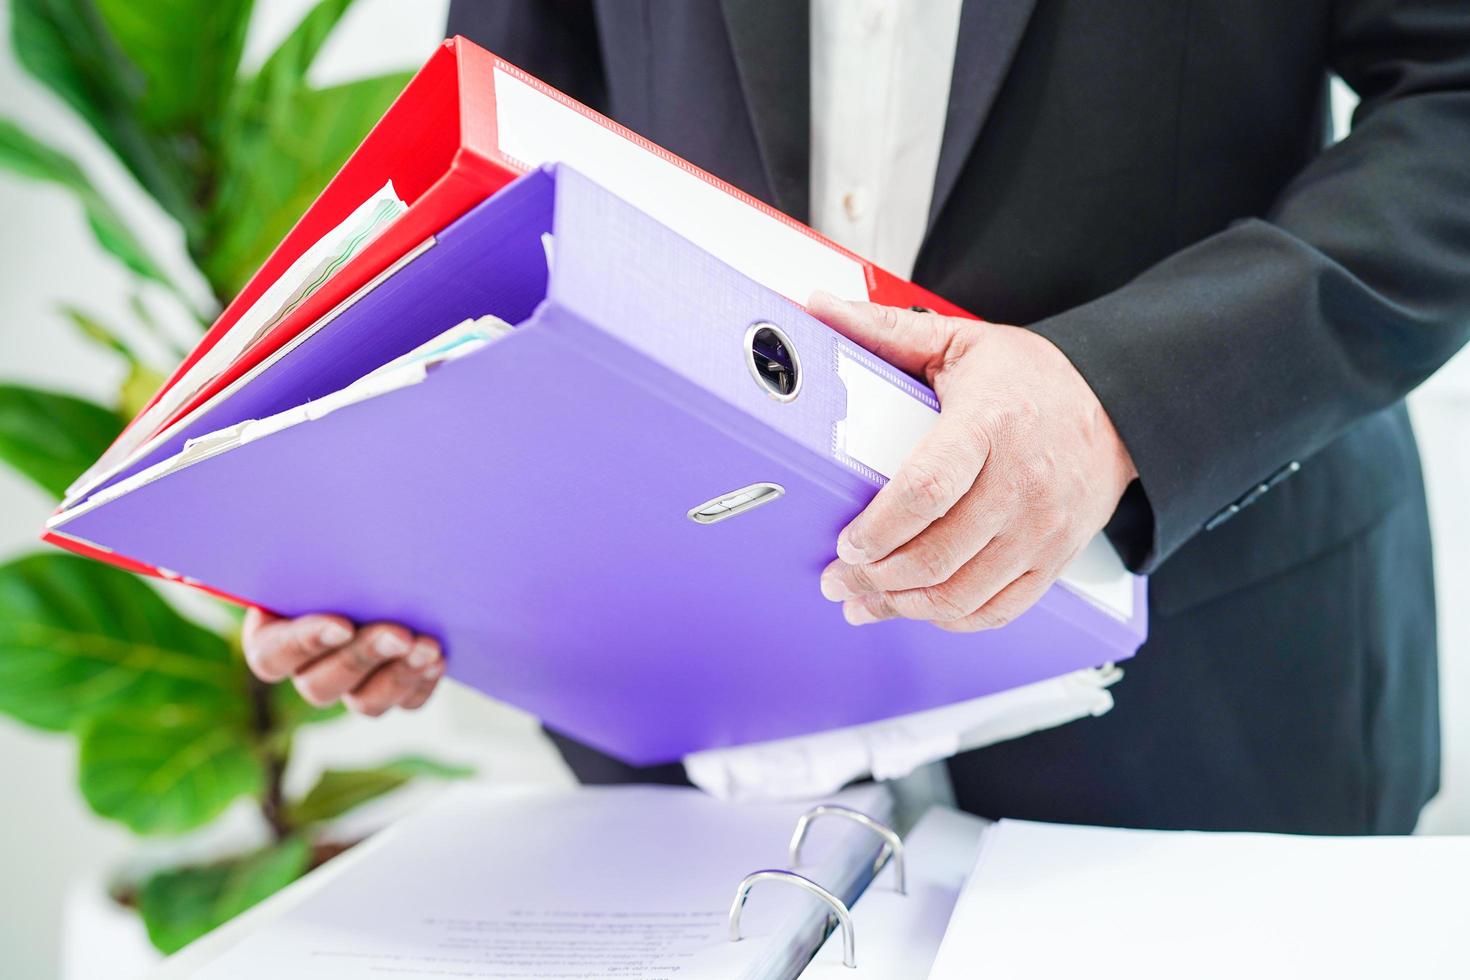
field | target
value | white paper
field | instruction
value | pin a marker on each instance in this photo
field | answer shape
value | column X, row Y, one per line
column 597, row 883
column 809, row 766
column 1056, row 901
column 408, row 369
column 305, row 276
column 884, row 424
column 898, row 936
column 535, row 129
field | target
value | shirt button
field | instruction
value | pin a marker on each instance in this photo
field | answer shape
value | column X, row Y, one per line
column 855, row 205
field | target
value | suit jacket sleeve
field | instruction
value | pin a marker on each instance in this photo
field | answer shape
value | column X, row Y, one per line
column 555, row 40
column 1259, row 345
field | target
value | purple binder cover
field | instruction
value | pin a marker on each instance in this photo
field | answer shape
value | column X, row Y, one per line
column 528, row 503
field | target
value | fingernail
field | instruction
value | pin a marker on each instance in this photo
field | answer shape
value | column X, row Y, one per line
column 335, row 634
column 390, row 644
column 834, row 588
column 857, row 614
column 423, row 655
column 849, row 548
column 434, row 671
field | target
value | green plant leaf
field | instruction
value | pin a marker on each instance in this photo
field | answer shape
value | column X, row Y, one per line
column 181, row 905
column 25, row 155
column 50, row 437
column 281, row 149
column 284, row 72
column 185, row 53
column 341, row 790
column 99, row 333
column 65, row 45
column 168, row 769
column 79, row 638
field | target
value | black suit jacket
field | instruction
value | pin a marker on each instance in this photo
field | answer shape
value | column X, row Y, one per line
column 1151, row 185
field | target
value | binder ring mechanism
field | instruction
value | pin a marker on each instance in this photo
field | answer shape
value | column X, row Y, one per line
column 892, row 846
column 839, row 908
column 892, row 843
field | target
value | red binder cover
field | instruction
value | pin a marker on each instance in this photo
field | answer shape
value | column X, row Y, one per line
column 468, row 123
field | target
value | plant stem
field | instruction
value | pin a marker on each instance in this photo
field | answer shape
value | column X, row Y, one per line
column 272, row 801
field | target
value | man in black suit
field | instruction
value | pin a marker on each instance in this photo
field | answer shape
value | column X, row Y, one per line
column 1222, row 316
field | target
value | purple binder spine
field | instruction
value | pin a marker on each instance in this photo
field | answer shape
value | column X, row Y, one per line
column 662, row 278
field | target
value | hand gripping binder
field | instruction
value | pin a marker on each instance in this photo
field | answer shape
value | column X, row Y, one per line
column 612, row 516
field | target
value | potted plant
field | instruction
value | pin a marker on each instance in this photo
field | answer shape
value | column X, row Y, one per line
column 173, row 729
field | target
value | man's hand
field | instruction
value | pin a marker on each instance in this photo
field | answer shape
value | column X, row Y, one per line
column 1022, row 469
column 371, row 669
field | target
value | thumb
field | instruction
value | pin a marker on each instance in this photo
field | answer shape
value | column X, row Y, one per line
column 911, row 341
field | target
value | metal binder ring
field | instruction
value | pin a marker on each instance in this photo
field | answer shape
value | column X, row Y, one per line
column 839, row 909
column 893, row 844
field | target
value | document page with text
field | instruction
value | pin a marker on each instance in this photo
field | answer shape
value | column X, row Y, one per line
column 619, row 882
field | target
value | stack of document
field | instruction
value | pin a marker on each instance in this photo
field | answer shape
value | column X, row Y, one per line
column 626, row 882
column 640, row 882
column 526, row 383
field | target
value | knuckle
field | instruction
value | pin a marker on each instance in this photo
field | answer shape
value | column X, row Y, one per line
column 880, row 604
column 861, row 579
column 946, row 605
column 1035, row 473
column 360, row 657
column 957, row 341
column 926, row 489
column 368, row 707
column 314, row 690
column 932, row 563
column 1000, row 420
column 989, row 619
column 291, row 649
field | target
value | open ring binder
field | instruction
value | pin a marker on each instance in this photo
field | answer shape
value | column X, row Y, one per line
column 839, row 908
column 893, row 844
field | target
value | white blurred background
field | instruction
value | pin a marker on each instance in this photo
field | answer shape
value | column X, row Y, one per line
column 48, row 840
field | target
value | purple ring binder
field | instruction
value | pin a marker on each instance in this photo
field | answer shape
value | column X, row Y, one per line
column 529, row 503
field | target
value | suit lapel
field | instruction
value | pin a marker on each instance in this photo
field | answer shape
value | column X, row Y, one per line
column 989, row 33
column 771, row 41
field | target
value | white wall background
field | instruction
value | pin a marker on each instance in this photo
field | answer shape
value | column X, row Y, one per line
column 47, row 837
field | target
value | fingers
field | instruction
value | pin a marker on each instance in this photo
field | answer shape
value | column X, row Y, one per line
column 940, row 471
column 329, row 677
column 418, row 698
column 930, row 558
column 914, row 342
column 1007, row 604
column 393, row 684
column 275, row 648
column 977, row 582
column 371, row 670
column 428, row 660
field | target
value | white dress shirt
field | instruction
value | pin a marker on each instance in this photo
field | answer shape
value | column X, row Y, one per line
column 880, row 72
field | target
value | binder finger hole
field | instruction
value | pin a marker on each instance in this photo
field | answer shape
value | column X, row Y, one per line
column 772, row 360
